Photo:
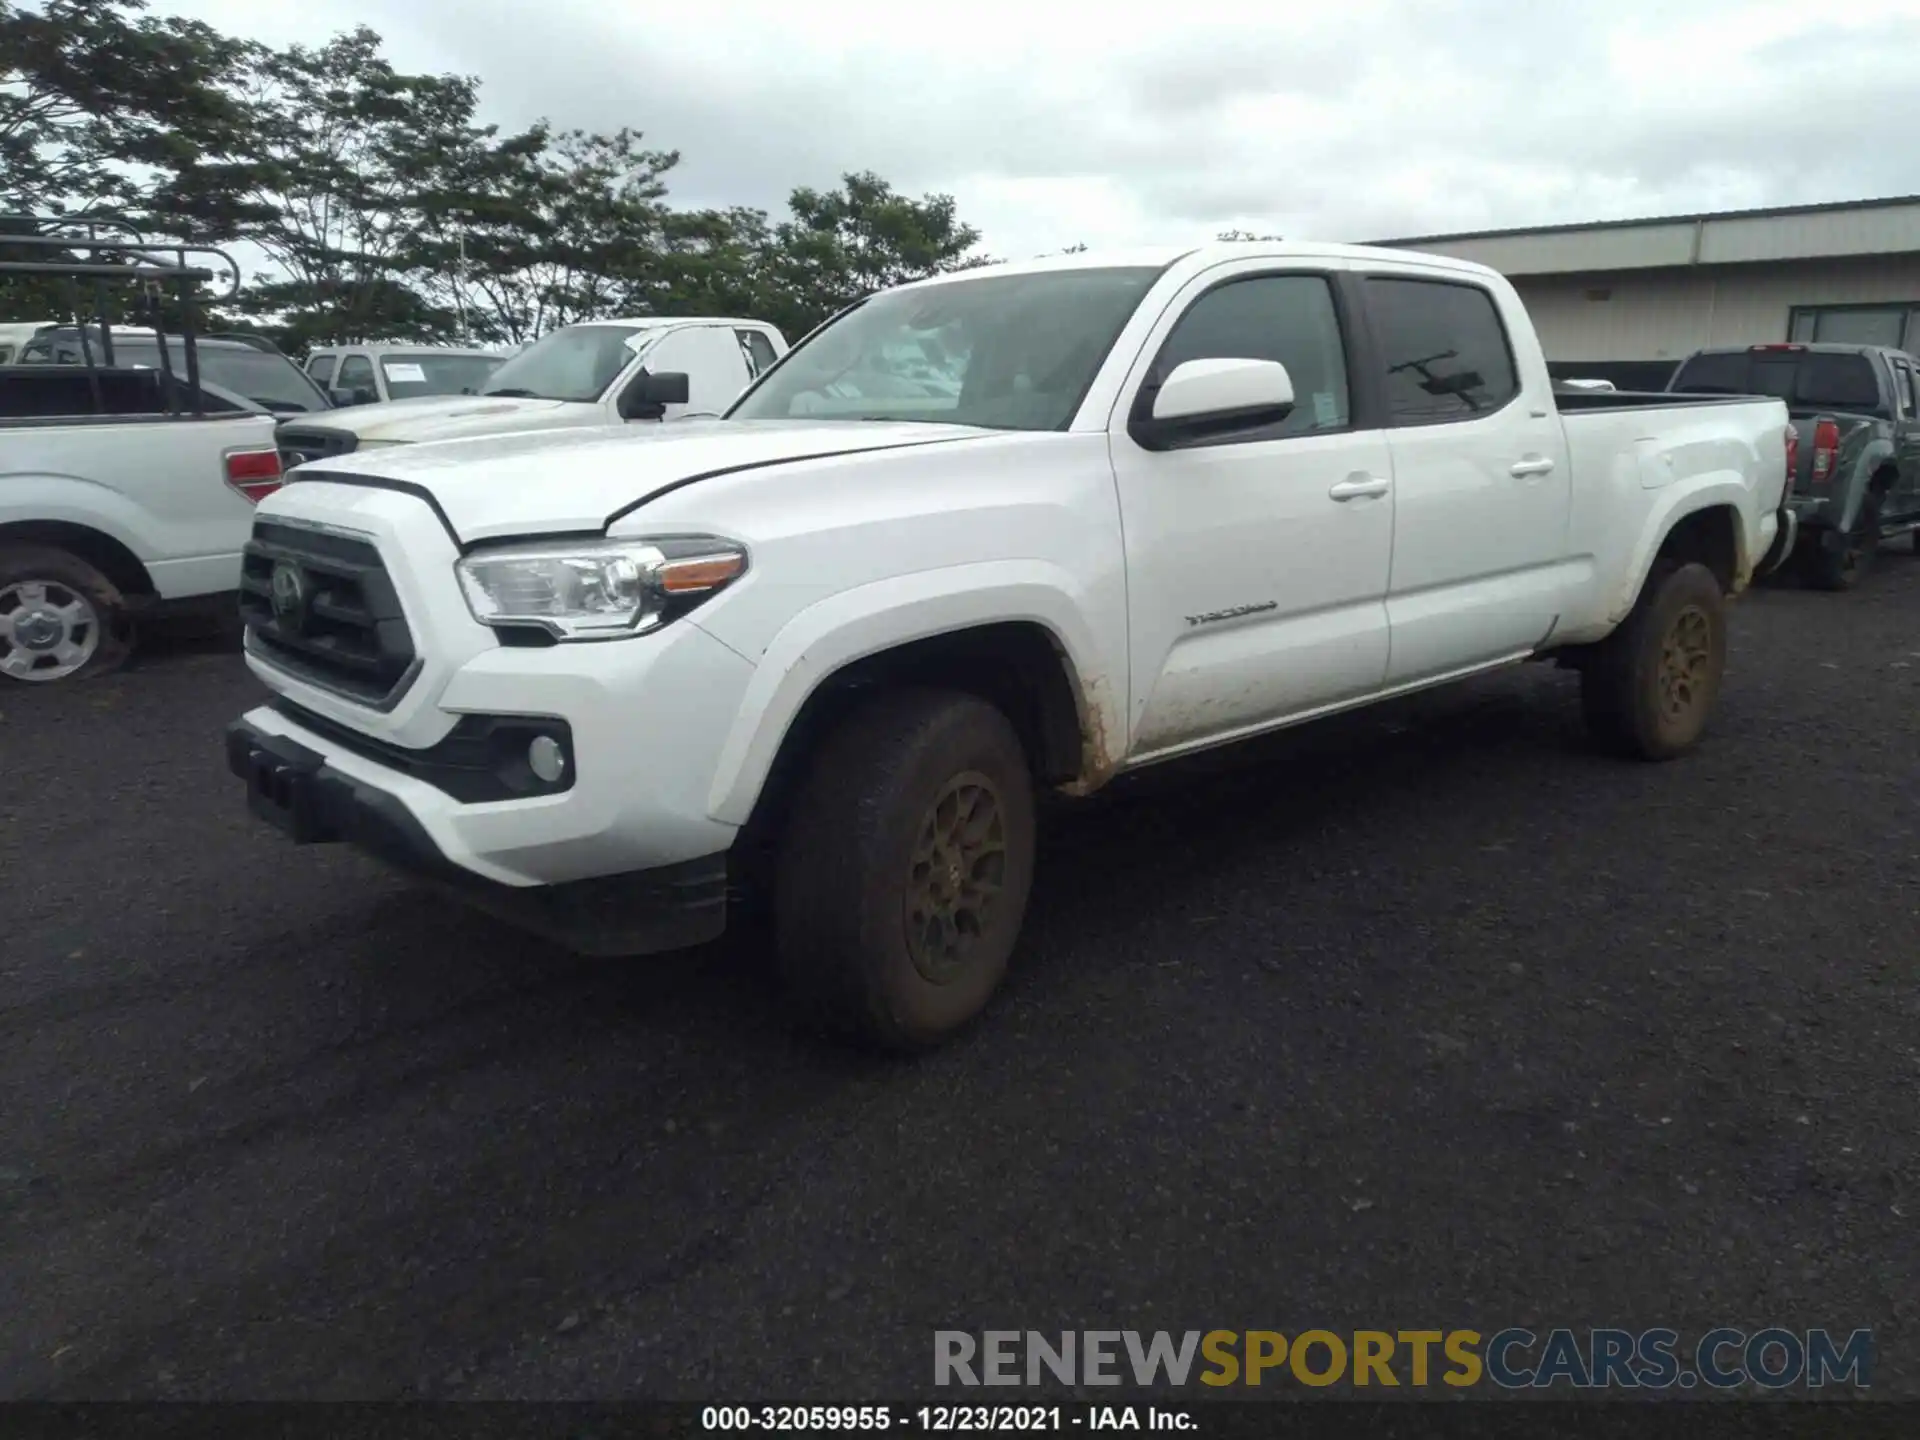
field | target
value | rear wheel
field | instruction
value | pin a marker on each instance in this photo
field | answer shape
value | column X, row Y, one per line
column 1843, row 566
column 1649, row 688
column 903, row 873
column 60, row 619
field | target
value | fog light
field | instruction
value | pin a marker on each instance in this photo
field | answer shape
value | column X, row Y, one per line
column 546, row 759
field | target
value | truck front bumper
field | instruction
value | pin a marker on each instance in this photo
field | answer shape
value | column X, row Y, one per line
column 313, row 800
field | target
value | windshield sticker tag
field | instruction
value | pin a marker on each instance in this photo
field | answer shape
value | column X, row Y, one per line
column 1325, row 412
column 404, row 374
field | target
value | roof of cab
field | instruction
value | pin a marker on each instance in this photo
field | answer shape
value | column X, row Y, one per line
column 1200, row 257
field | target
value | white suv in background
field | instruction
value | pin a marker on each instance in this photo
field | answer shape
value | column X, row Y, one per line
column 373, row 374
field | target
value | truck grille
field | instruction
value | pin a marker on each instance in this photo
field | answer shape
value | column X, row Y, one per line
column 301, row 443
column 321, row 607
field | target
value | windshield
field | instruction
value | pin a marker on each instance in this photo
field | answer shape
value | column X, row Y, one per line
column 577, row 363
column 426, row 373
column 262, row 376
column 1003, row 352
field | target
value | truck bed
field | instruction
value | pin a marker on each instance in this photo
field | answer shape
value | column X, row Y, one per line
column 1623, row 456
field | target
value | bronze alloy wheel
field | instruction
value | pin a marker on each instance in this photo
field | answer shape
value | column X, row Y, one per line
column 956, row 876
column 1686, row 665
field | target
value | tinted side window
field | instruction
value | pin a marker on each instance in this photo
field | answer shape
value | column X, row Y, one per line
column 1289, row 318
column 757, row 349
column 321, row 369
column 1842, row 382
column 356, row 372
column 1903, row 373
column 1445, row 350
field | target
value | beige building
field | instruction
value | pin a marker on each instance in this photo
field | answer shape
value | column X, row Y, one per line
column 1654, row 290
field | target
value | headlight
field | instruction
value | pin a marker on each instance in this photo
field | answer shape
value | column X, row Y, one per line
column 597, row 589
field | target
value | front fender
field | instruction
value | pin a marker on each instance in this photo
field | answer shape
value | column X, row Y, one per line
column 853, row 624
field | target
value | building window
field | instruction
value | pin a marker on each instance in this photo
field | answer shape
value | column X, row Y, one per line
column 1896, row 326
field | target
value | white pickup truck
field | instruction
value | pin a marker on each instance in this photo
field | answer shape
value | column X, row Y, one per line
column 1026, row 526
column 106, row 519
column 604, row 372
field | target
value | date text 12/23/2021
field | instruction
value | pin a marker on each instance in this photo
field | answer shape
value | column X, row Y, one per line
column 943, row 1419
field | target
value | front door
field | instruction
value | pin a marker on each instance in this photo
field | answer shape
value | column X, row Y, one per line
column 1257, row 563
column 709, row 356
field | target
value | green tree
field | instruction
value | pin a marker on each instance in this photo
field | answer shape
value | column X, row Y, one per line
column 711, row 262
column 839, row 245
column 100, row 103
column 544, row 230
column 97, row 98
column 344, row 176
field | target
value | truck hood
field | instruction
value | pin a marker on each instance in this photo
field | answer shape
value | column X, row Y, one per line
column 568, row 481
column 454, row 417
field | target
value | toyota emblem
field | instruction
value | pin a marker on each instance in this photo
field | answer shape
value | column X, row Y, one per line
column 289, row 596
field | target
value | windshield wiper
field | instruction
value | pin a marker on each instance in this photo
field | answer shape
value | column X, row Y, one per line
column 514, row 393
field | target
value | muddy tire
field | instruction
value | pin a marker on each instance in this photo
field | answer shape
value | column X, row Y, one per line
column 60, row 619
column 1649, row 688
column 903, row 871
column 1845, row 567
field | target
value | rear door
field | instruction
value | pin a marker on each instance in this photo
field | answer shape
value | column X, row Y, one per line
column 1482, row 492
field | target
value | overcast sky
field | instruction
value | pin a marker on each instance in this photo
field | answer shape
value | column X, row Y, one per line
column 1056, row 123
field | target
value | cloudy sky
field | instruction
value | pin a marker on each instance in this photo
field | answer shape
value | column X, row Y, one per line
column 1056, row 123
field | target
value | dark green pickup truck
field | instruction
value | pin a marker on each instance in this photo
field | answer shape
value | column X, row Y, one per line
column 1856, row 477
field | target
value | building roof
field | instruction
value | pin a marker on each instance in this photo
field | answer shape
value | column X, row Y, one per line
column 1768, row 213
column 1729, row 237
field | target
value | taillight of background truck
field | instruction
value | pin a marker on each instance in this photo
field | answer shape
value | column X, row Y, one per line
column 254, row 473
column 1793, row 455
column 1826, row 446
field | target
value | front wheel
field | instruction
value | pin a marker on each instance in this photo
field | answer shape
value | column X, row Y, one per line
column 903, row 873
column 59, row 617
column 1649, row 688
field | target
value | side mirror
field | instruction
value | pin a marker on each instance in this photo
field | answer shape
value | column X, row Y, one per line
column 357, row 395
column 648, row 396
column 1205, row 398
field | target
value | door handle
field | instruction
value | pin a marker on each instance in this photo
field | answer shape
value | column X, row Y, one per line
column 1522, row 469
column 1360, row 488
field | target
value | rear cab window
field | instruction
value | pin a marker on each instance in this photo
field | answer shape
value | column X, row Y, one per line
column 1444, row 348
column 1805, row 379
column 320, row 367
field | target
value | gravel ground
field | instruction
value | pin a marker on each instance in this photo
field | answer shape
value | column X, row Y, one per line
column 1425, row 1017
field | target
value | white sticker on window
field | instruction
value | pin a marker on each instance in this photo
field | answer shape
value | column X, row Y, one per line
column 1325, row 411
column 406, row 374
